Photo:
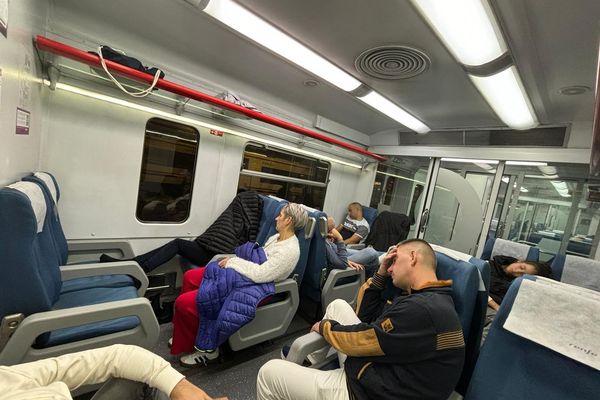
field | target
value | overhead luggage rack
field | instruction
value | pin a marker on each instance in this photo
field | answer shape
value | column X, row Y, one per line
column 64, row 50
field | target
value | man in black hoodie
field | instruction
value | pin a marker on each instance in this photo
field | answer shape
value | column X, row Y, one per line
column 409, row 348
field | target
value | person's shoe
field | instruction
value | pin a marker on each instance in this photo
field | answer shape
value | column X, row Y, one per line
column 285, row 350
column 199, row 358
column 170, row 342
column 106, row 258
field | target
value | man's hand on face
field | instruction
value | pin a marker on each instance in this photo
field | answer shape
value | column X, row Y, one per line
column 387, row 262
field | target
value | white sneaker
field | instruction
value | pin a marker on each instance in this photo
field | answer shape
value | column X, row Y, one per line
column 170, row 342
column 199, row 359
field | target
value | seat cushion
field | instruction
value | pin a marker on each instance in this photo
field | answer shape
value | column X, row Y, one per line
column 102, row 281
column 84, row 298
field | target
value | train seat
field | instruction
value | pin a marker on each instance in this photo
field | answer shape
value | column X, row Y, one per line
column 576, row 271
column 76, row 251
column 494, row 247
column 369, row 213
column 449, row 264
column 322, row 285
column 542, row 352
column 41, row 319
column 275, row 316
column 50, row 189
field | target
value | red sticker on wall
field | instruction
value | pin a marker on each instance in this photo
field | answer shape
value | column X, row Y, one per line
column 216, row 132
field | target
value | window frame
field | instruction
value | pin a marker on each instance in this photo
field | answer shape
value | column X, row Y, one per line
column 287, row 179
column 193, row 169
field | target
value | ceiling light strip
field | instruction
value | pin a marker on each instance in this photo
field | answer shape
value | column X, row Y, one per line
column 255, row 28
column 471, row 33
column 252, row 26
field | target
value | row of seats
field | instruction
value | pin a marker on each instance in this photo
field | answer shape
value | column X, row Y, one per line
column 49, row 308
column 574, row 270
column 273, row 319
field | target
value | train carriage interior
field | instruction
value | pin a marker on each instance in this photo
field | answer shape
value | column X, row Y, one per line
column 475, row 124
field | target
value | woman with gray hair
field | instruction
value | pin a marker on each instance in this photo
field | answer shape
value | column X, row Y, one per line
column 282, row 251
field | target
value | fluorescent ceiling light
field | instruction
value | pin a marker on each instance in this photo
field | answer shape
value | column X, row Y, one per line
column 400, row 177
column 257, row 29
column 527, row 163
column 468, row 160
column 396, row 113
column 561, row 187
column 150, row 110
column 467, row 28
column 505, row 94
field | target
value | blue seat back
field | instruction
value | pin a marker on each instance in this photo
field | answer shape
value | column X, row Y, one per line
column 577, row 271
column 49, row 186
column 271, row 208
column 470, row 300
column 504, row 247
column 369, row 213
column 29, row 265
column 512, row 367
column 317, row 260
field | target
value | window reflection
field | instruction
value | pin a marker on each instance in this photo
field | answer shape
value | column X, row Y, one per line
column 167, row 172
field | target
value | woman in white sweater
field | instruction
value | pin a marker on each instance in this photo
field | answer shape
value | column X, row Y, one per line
column 282, row 251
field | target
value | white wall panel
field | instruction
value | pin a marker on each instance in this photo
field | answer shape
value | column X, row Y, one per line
column 95, row 151
column 19, row 154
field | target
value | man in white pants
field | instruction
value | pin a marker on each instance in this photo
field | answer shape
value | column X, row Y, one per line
column 408, row 348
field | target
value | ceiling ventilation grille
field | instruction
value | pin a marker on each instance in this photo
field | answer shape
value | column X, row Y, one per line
column 392, row 62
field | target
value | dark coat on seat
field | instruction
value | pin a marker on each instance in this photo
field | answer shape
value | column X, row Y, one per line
column 388, row 229
column 238, row 224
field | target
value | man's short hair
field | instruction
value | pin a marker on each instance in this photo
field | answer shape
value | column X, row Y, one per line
column 425, row 249
column 355, row 204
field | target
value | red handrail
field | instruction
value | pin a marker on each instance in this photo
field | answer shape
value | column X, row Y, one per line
column 45, row 44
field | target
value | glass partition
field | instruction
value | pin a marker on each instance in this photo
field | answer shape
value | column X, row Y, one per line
column 552, row 206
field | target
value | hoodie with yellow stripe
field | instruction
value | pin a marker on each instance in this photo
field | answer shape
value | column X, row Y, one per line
column 409, row 348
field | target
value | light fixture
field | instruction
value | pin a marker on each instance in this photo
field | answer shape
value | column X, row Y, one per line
column 467, row 28
column 396, row 113
column 400, row 177
column 255, row 28
column 505, row 94
column 250, row 25
column 468, row 160
column 150, row 110
column 561, row 187
column 471, row 33
column 527, row 163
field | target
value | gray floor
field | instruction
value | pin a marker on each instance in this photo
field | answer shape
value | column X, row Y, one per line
column 236, row 376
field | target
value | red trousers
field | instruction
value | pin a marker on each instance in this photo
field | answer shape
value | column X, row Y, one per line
column 186, row 318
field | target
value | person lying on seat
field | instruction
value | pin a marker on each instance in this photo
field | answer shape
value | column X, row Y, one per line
column 130, row 372
column 236, row 225
column 281, row 251
column 355, row 227
column 504, row 269
column 408, row 348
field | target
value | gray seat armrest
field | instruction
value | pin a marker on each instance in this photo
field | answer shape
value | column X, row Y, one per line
column 130, row 268
column 304, row 345
column 347, row 291
column 89, row 250
column 19, row 347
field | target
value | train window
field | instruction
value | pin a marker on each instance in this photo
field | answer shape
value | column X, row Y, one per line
column 167, row 174
column 280, row 173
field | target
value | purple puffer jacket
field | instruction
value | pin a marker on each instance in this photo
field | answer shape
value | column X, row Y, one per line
column 227, row 300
